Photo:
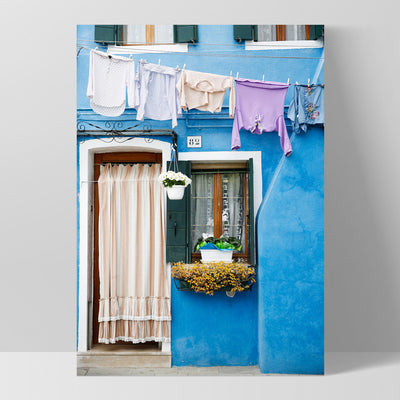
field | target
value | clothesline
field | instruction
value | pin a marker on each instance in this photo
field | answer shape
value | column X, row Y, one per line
column 184, row 67
column 220, row 55
column 160, row 92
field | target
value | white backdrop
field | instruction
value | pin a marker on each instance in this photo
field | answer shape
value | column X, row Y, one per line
column 38, row 161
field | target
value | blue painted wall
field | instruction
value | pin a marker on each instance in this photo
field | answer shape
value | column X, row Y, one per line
column 291, row 258
column 214, row 330
column 245, row 329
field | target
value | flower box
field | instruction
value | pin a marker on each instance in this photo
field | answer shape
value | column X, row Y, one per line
column 216, row 255
column 183, row 285
column 214, row 277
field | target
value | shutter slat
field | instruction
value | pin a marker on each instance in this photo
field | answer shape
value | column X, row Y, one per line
column 185, row 34
column 178, row 212
column 245, row 32
column 316, row 31
column 108, row 34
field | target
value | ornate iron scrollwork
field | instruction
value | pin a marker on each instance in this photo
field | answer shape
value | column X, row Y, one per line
column 115, row 131
column 110, row 127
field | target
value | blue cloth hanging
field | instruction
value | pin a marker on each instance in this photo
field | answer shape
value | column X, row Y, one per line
column 307, row 107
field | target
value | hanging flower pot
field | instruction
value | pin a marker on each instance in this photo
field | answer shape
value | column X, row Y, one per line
column 175, row 184
column 176, row 192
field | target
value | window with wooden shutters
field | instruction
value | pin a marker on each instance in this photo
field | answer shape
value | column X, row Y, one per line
column 270, row 33
column 218, row 202
column 221, row 204
column 159, row 34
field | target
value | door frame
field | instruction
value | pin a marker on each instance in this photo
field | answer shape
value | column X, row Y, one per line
column 86, row 151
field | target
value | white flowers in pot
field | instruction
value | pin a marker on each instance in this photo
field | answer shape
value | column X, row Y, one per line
column 175, row 183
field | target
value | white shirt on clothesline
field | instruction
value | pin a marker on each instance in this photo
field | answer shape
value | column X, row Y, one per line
column 111, row 78
column 156, row 93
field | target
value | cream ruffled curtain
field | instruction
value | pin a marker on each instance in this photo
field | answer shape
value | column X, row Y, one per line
column 134, row 285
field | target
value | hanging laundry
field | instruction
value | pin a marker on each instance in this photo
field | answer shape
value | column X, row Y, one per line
column 110, row 78
column 156, row 93
column 307, row 107
column 205, row 92
column 259, row 108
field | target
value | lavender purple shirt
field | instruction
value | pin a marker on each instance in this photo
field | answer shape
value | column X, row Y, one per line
column 259, row 108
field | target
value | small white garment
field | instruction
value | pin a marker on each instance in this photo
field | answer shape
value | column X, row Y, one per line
column 110, row 78
column 156, row 93
column 205, row 92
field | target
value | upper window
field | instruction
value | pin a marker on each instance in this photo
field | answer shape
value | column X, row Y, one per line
column 271, row 33
column 131, row 35
column 148, row 34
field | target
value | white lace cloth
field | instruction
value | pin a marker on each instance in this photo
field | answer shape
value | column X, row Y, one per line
column 111, row 78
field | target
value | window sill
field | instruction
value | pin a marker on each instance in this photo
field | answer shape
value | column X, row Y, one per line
column 287, row 44
column 160, row 48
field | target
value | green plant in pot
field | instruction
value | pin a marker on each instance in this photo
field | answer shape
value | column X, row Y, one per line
column 221, row 243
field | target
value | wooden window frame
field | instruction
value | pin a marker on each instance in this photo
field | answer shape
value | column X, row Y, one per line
column 280, row 33
column 150, row 37
column 217, row 212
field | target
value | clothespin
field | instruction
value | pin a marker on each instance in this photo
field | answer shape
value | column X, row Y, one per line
column 263, row 78
column 297, row 83
column 237, row 75
column 96, row 48
column 308, row 82
column 130, row 56
column 184, row 66
column 288, row 81
column 159, row 61
column 230, row 74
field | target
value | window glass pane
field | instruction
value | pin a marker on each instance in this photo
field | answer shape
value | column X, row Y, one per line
column 266, row 33
column 233, row 206
column 164, row 34
column 202, row 206
column 135, row 34
column 295, row 32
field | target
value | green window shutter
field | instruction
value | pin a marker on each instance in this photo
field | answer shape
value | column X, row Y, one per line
column 178, row 222
column 185, row 34
column 316, row 31
column 108, row 34
column 252, row 242
column 245, row 32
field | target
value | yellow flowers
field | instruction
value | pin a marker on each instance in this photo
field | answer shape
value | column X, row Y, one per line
column 214, row 276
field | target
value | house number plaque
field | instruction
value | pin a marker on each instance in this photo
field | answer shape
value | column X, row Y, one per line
column 193, row 141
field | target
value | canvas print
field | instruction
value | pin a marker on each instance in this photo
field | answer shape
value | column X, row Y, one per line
column 200, row 199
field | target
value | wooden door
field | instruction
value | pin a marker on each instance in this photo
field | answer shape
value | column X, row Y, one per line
column 102, row 159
